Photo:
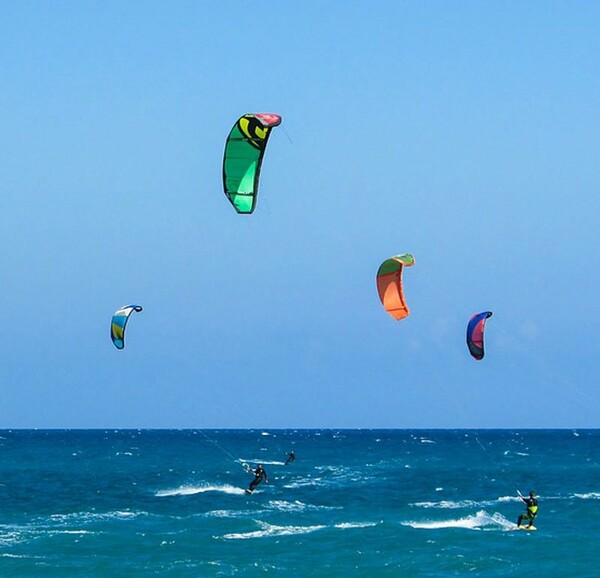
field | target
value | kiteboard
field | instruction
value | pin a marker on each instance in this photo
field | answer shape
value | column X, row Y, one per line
column 248, row 491
column 530, row 528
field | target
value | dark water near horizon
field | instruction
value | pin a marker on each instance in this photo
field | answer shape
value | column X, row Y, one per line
column 355, row 503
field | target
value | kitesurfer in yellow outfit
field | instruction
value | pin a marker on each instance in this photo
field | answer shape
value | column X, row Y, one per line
column 532, row 509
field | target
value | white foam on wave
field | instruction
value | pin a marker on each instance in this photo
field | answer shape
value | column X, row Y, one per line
column 335, row 470
column 509, row 452
column 351, row 525
column 87, row 517
column 22, row 556
column 262, row 462
column 303, row 483
column 62, row 524
column 426, row 441
column 191, row 490
column 10, row 537
column 588, row 496
column 271, row 530
column 335, row 476
column 224, row 514
column 284, row 506
column 509, row 499
column 297, row 506
column 457, row 504
column 447, row 504
column 67, row 532
column 480, row 521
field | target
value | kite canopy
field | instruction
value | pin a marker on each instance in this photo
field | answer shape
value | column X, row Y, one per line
column 389, row 285
column 475, row 334
column 243, row 156
column 119, row 322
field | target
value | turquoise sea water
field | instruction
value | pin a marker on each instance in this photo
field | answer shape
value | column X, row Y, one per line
column 354, row 503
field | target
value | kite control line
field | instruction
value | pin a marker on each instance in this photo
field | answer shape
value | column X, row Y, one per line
column 236, row 460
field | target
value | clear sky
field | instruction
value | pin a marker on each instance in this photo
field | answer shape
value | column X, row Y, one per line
column 465, row 133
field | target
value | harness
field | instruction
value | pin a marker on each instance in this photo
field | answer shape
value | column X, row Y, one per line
column 532, row 507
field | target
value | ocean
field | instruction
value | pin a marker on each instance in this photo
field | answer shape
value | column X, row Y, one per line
column 354, row 503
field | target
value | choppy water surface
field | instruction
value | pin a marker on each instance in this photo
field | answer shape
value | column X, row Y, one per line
column 354, row 503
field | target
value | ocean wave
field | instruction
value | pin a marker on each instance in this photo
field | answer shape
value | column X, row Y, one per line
column 10, row 537
column 226, row 513
column 333, row 476
column 336, row 470
column 332, row 482
column 23, row 534
column 90, row 517
column 22, row 556
column 263, row 462
column 303, row 483
column 284, row 506
column 270, row 530
column 350, row 525
column 509, row 499
column 588, row 496
column 447, row 504
column 191, row 490
column 457, row 504
column 481, row 520
column 297, row 506
column 48, row 532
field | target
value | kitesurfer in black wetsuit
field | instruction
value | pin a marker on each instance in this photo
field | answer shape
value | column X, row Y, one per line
column 532, row 509
column 259, row 475
column 291, row 458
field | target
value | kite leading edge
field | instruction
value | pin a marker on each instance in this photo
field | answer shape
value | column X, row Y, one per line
column 119, row 322
column 475, row 330
column 242, row 159
column 389, row 285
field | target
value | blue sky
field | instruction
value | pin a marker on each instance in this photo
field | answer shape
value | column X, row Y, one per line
column 465, row 133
